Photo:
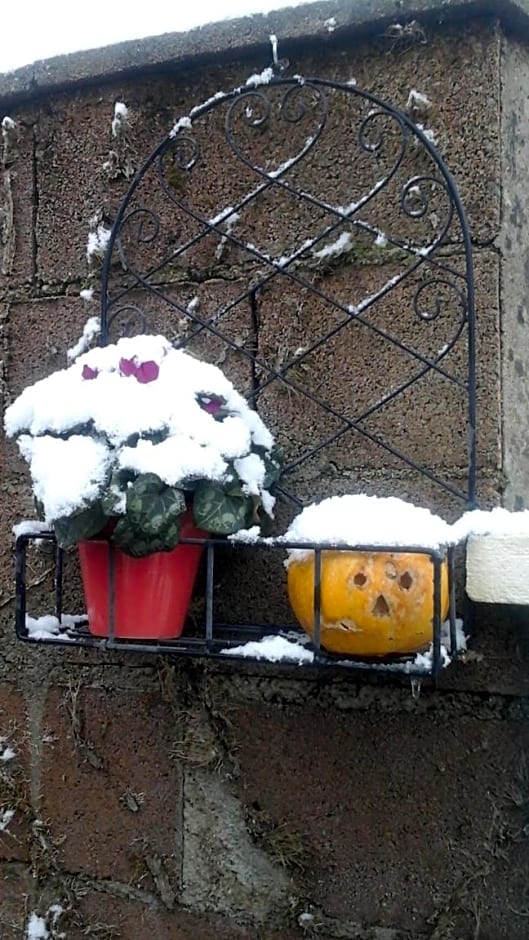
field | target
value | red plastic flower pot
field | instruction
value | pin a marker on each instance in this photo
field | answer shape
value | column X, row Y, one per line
column 151, row 594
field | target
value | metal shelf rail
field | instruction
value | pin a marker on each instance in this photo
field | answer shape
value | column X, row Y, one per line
column 219, row 640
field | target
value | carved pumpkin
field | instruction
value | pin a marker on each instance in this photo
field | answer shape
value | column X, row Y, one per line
column 372, row 603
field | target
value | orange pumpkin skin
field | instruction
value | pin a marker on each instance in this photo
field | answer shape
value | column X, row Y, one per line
column 372, row 603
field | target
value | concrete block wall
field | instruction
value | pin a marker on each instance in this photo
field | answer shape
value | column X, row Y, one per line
column 153, row 797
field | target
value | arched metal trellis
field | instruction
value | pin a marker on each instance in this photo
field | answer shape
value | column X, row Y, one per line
column 396, row 208
column 308, row 237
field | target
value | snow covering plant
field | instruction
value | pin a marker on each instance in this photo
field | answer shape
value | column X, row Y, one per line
column 131, row 435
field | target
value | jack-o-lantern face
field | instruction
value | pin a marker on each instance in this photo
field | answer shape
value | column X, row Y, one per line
column 372, row 603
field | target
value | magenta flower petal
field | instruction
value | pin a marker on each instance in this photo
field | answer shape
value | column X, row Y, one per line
column 127, row 366
column 147, row 372
column 89, row 373
column 211, row 403
column 212, row 407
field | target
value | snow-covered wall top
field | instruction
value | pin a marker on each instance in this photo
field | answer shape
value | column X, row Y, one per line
column 333, row 21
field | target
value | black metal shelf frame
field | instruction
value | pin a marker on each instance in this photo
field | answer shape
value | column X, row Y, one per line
column 216, row 639
column 138, row 277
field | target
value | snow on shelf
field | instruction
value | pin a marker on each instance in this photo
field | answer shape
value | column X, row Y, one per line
column 290, row 648
column 30, row 527
column 273, row 649
column 49, row 627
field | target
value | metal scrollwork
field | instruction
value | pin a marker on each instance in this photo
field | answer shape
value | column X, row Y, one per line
column 254, row 106
column 129, row 319
column 436, row 301
column 372, row 127
column 178, row 156
column 294, row 105
column 292, row 108
column 417, row 202
column 139, row 227
column 414, row 201
column 185, row 151
column 146, row 223
column 386, row 195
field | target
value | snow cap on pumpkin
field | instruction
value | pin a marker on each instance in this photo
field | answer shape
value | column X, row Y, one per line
column 367, row 520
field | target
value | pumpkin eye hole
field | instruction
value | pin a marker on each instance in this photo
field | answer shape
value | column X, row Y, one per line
column 360, row 579
column 406, row 580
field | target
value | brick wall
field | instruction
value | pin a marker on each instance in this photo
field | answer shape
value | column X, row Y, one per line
column 171, row 799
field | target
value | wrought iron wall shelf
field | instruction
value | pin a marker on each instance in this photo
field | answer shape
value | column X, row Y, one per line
column 368, row 191
column 226, row 641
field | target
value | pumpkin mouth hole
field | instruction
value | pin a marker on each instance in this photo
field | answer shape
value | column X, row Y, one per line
column 349, row 626
column 406, row 580
column 360, row 579
column 381, row 607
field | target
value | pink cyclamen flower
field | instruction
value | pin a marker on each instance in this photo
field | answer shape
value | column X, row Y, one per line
column 142, row 371
column 89, row 373
column 211, row 403
column 127, row 366
column 147, row 372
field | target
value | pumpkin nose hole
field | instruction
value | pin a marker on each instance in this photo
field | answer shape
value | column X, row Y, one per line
column 360, row 579
column 381, row 608
column 406, row 580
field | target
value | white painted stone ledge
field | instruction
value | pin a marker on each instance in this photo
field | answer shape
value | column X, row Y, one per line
column 497, row 568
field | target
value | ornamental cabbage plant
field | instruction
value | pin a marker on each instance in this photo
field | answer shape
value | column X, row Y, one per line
column 131, row 436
